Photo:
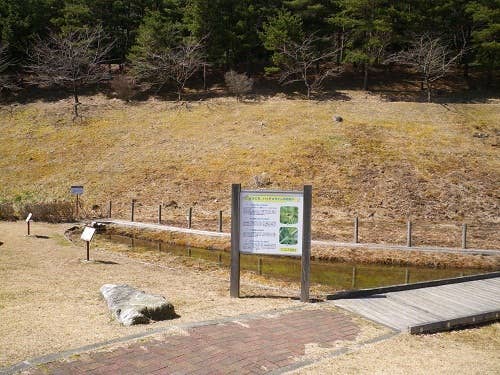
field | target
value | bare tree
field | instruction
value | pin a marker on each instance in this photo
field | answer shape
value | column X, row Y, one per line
column 6, row 81
column 302, row 62
column 72, row 60
column 430, row 57
column 176, row 65
column 238, row 84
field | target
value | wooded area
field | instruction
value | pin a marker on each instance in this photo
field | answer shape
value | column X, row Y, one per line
column 159, row 42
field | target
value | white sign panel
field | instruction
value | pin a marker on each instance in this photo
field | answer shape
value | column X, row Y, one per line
column 77, row 190
column 28, row 218
column 87, row 234
column 271, row 222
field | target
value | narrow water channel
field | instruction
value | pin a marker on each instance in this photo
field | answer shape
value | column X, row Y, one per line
column 337, row 275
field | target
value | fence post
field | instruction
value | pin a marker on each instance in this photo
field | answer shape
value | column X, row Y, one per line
column 259, row 266
column 132, row 210
column 219, row 258
column 464, row 236
column 356, row 226
column 407, row 276
column 220, row 221
column 159, row 214
column 109, row 210
column 190, row 216
column 408, row 234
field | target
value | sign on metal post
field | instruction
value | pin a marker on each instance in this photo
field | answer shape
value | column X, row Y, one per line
column 28, row 220
column 87, row 235
column 272, row 223
column 77, row 190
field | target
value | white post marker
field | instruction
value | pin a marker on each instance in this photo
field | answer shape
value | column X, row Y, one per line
column 28, row 220
column 87, row 235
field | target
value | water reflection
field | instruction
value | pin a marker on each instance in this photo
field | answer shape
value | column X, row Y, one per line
column 337, row 275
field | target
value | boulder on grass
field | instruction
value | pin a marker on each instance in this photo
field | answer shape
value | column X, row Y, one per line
column 131, row 306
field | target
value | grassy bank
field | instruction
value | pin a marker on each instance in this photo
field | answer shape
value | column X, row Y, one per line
column 385, row 162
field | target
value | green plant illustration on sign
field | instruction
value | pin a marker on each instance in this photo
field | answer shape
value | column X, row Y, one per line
column 289, row 215
column 288, row 236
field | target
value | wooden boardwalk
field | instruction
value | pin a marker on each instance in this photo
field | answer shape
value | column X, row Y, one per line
column 429, row 309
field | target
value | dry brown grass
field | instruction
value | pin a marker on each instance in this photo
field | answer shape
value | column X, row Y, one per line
column 471, row 351
column 50, row 301
column 385, row 162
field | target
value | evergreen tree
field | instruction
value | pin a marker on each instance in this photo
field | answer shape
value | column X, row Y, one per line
column 370, row 31
column 486, row 34
column 22, row 21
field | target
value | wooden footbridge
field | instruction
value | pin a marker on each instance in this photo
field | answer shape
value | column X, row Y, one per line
column 428, row 306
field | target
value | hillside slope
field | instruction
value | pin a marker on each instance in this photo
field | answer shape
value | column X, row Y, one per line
column 385, row 160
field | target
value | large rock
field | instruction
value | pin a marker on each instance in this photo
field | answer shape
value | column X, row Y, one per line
column 131, row 306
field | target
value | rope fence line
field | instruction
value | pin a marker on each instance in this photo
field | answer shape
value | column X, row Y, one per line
column 408, row 233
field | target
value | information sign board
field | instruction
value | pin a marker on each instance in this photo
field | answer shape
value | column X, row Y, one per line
column 77, row 190
column 28, row 218
column 271, row 222
column 87, row 234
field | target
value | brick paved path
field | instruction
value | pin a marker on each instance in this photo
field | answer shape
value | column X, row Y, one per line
column 254, row 346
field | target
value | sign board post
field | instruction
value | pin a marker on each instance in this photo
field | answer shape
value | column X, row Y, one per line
column 87, row 235
column 28, row 221
column 77, row 190
column 272, row 223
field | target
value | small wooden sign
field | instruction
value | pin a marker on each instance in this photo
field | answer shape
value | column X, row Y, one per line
column 88, row 234
column 28, row 218
column 77, row 189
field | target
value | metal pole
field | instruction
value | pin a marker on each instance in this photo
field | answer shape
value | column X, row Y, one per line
column 220, row 221
column 408, row 234
column 306, row 245
column 464, row 236
column 132, row 210
column 259, row 266
column 190, row 216
column 353, row 283
column 88, row 250
column 109, row 210
column 159, row 214
column 29, row 227
column 77, row 204
column 356, row 226
column 219, row 258
column 235, row 241
column 407, row 276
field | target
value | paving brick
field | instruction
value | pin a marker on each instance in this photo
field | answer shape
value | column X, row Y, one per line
column 266, row 345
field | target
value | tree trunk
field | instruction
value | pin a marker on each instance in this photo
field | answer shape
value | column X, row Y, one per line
column 76, row 101
column 365, row 78
column 429, row 89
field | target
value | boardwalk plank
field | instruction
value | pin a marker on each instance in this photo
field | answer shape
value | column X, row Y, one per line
column 430, row 308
